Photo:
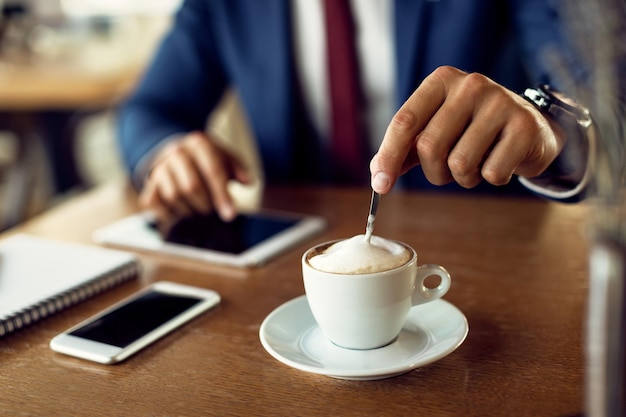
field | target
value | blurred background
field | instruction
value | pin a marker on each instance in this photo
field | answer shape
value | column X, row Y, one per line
column 64, row 66
column 599, row 30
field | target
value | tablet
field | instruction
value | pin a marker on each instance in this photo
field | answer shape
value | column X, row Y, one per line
column 249, row 240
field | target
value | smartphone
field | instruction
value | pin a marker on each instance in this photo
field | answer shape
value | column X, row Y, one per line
column 133, row 323
column 249, row 240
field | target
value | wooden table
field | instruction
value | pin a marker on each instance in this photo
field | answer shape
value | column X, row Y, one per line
column 519, row 271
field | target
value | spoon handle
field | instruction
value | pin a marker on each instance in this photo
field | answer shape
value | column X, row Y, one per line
column 369, row 229
column 374, row 203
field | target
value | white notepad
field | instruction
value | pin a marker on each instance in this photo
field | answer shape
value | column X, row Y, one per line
column 39, row 277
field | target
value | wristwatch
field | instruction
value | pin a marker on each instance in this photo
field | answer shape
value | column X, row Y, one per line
column 571, row 167
column 567, row 112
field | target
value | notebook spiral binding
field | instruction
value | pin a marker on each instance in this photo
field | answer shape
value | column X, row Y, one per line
column 66, row 299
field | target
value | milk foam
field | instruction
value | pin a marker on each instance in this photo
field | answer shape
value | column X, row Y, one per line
column 357, row 255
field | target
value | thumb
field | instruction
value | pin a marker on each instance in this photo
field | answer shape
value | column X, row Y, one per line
column 393, row 159
column 394, row 156
column 383, row 177
column 240, row 171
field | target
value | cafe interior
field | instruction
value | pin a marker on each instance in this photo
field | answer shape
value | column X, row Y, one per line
column 539, row 285
column 64, row 67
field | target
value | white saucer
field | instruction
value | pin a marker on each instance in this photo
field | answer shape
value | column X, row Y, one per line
column 432, row 331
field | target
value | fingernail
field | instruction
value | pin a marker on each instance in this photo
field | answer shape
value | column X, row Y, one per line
column 227, row 212
column 380, row 182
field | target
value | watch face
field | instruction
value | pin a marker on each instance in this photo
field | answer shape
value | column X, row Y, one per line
column 559, row 106
column 538, row 98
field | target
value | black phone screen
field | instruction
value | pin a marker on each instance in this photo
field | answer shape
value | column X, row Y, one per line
column 237, row 236
column 129, row 322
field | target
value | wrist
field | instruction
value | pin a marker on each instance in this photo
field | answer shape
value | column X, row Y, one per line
column 573, row 118
column 573, row 126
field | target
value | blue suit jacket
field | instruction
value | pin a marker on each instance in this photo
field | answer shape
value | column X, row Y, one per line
column 247, row 44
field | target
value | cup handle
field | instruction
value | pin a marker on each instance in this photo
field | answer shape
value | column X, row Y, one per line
column 423, row 294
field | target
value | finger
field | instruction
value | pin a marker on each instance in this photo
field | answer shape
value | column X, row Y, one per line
column 500, row 165
column 526, row 147
column 546, row 139
column 394, row 155
column 478, row 140
column 440, row 135
column 168, row 191
column 190, row 184
column 210, row 163
column 150, row 201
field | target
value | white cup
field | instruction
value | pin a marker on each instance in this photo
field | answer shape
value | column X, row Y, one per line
column 367, row 311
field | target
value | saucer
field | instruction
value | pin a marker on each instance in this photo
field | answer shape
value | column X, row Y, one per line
column 432, row 331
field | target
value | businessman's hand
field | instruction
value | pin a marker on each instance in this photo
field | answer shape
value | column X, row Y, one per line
column 465, row 128
column 190, row 175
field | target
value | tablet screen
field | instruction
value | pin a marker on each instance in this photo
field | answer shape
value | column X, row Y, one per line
column 210, row 232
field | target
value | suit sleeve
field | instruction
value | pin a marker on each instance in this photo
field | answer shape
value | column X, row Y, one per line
column 181, row 86
column 552, row 58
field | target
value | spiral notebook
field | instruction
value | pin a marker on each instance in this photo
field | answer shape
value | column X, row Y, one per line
column 40, row 277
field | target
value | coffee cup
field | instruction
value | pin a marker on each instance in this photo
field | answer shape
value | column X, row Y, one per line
column 361, row 300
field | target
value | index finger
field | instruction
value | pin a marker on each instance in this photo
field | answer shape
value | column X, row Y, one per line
column 399, row 140
column 210, row 163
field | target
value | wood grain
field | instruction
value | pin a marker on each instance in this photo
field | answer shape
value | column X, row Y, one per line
column 519, row 269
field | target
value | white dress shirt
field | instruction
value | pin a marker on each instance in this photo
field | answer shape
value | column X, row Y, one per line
column 374, row 53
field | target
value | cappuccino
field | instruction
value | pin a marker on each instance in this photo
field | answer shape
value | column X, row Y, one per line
column 360, row 255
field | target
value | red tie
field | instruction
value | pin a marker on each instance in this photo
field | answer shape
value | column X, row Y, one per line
column 348, row 147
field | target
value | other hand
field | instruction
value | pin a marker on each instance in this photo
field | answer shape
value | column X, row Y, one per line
column 190, row 175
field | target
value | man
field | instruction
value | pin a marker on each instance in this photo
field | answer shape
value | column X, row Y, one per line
column 453, row 68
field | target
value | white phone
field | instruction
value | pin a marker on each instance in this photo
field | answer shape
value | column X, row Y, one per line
column 249, row 240
column 133, row 323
